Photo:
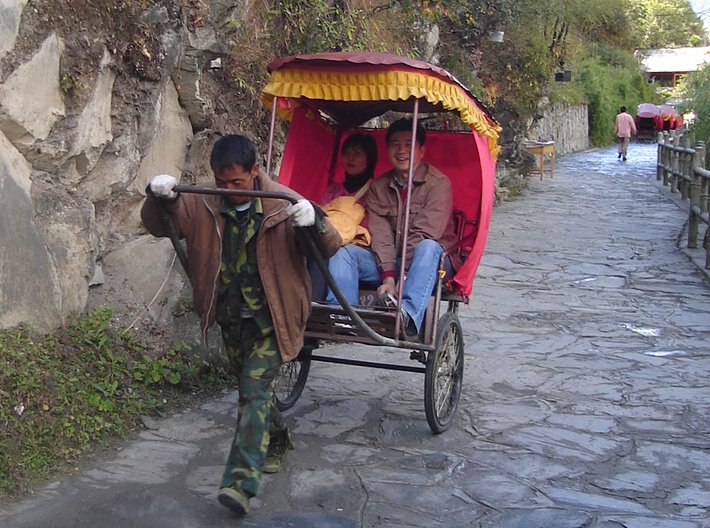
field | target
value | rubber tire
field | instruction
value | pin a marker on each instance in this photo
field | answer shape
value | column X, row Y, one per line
column 444, row 374
column 291, row 380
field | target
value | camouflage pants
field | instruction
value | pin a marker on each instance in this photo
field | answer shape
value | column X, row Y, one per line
column 256, row 360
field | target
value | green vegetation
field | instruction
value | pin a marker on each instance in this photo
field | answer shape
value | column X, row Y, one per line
column 664, row 24
column 695, row 92
column 595, row 40
column 289, row 27
column 64, row 393
column 609, row 80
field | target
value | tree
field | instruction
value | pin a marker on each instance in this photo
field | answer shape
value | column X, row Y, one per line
column 694, row 89
column 665, row 24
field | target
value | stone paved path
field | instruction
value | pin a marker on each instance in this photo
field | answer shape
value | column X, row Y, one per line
column 586, row 395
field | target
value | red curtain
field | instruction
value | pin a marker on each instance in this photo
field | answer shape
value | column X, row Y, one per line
column 465, row 158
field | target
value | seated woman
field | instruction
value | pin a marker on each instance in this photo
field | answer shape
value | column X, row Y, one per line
column 359, row 157
column 359, row 154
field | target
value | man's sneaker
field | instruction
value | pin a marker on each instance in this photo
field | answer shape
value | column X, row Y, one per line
column 387, row 300
column 624, row 158
column 234, row 499
column 277, row 453
column 619, row 156
column 409, row 328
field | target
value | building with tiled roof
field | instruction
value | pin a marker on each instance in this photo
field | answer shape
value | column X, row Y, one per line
column 666, row 65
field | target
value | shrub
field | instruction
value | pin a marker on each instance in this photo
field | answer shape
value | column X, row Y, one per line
column 63, row 393
column 610, row 80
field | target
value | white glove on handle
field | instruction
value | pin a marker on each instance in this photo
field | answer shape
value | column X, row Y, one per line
column 163, row 186
column 302, row 213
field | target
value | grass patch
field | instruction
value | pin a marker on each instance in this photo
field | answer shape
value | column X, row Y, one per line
column 62, row 394
column 515, row 184
column 567, row 93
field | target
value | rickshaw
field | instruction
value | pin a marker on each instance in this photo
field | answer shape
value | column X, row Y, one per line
column 647, row 121
column 327, row 96
column 668, row 118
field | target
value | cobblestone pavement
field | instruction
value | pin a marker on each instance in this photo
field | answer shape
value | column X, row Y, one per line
column 586, row 396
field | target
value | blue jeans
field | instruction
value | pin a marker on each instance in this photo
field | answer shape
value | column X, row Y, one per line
column 352, row 264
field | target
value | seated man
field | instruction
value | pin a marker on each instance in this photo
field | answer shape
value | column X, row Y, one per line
column 430, row 230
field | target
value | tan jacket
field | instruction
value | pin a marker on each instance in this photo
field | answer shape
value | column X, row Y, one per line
column 624, row 126
column 281, row 255
column 429, row 218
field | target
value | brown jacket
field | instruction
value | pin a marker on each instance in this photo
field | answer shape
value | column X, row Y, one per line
column 280, row 253
column 429, row 217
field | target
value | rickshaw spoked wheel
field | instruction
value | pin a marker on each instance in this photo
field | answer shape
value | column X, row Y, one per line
column 444, row 374
column 291, row 379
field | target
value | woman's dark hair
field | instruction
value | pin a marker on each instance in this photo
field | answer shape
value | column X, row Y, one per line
column 367, row 143
column 405, row 125
column 233, row 150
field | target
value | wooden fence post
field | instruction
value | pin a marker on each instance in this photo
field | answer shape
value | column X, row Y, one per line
column 705, row 203
column 666, row 156
column 705, row 189
column 686, row 167
column 695, row 190
column 659, row 157
column 674, row 162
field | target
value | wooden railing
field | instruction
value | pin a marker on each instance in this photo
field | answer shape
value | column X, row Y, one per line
column 683, row 168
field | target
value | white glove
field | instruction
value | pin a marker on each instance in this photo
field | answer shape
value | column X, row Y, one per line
column 302, row 213
column 163, row 186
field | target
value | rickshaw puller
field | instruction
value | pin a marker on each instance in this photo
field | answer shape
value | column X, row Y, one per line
column 247, row 268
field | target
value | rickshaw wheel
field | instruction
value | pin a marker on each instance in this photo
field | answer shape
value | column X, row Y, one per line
column 291, row 379
column 444, row 374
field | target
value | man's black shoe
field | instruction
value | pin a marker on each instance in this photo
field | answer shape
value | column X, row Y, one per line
column 409, row 328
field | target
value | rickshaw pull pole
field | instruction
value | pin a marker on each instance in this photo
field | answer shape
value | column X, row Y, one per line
column 272, row 127
column 197, row 189
column 408, row 201
column 310, row 240
column 172, row 234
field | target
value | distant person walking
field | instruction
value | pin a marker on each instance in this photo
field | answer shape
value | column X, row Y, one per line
column 624, row 128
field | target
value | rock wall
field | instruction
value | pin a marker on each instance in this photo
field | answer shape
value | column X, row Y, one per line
column 567, row 126
column 94, row 101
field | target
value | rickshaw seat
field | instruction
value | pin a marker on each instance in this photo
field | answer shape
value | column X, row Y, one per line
column 465, row 231
column 331, row 320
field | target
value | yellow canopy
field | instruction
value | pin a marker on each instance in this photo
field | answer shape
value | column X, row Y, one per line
column 354, row 87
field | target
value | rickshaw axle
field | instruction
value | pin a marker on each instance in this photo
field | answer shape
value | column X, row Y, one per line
column 371, row 364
